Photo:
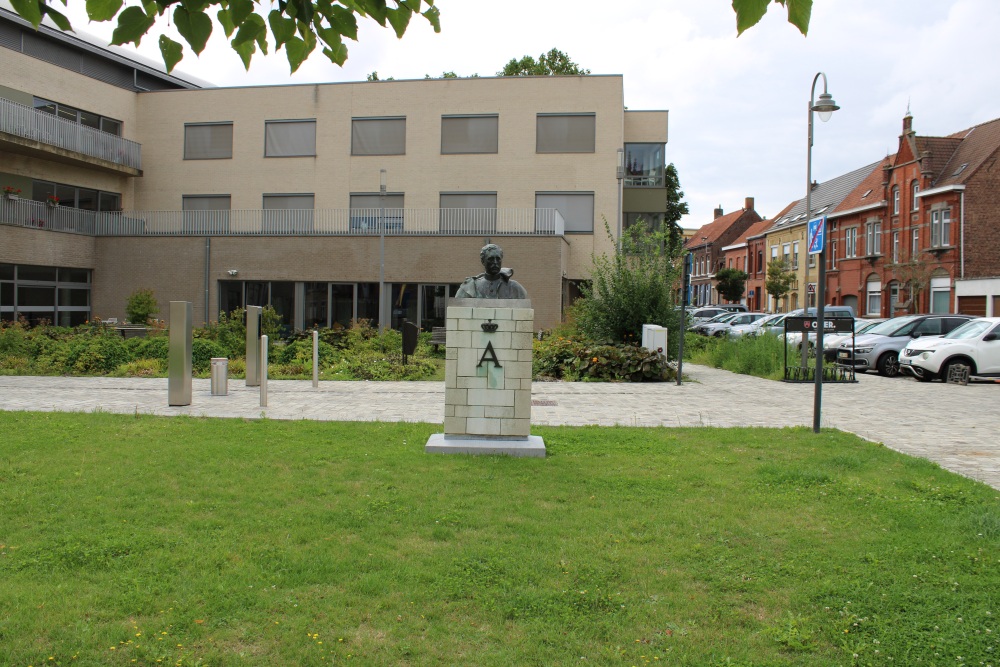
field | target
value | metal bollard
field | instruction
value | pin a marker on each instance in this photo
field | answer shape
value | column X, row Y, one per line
column 315, row 358
column 220, row 376
column 263, row 371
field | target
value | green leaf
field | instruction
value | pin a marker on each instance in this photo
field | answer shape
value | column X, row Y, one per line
column 298, row 50
column 330, row 36
column 282, row 28
column 226, row 19
column 799, row 12
column 749, row 13
column 133, row 23
column 172, row 52
column 399, row 19
column 336, row 55
column 29, row 10
column 245, row 51
column 61, row 21
column 103, row 10
column 434, row 16
column 344, row 21
column 194, row 27
column 250, row 30
column 239, row 10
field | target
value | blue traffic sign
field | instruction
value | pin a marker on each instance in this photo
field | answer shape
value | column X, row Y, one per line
column 817, row 235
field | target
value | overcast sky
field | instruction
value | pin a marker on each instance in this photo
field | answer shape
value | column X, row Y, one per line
column 738, row 106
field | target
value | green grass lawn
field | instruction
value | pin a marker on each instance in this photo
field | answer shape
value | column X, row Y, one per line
column 182, row 541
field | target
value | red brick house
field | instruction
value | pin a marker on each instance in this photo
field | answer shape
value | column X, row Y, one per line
column 922, row 233
column 747, row 254
column 706, row 246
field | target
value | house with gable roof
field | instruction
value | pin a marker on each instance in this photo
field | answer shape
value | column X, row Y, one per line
column 706, row 247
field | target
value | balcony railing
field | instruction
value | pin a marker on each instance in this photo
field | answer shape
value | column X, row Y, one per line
column 320, row 222
column 23, row 121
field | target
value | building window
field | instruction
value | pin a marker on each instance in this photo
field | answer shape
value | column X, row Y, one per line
column 576, row 208
column 760, row 261
column 86, row 118
column 565, row 133
column 873, row 302
column 652, row 221
column 895, row 200
column 833, row 254
column 893, row 297
column 644, row 165
column 288, row 214
column 41, row 294
column 786, row 254
column 851, row 242
column 941, row 228
column 208, row 141
column 378, row 136
column 873, row 240
column 70, row 196
column 940, row 294
column 914, row 200
column 368, row 209
column 206, row 214
column 915, row 244
column 895, row 247
column 469, row 134
column 795, row 255
column 290, row 138
column 468, row 212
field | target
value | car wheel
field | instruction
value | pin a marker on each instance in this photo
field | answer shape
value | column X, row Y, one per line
column 924, row 377
column 888, row 364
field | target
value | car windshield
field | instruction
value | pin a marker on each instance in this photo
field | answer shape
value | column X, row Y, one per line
column 971, row 329
column 891, row 327
column 722, row 319
column 718, row 318
column 861, row 326
column 765, row 321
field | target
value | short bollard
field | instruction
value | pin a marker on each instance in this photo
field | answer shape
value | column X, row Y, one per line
column 315, row 358
column 263, row 371
column 220, row 376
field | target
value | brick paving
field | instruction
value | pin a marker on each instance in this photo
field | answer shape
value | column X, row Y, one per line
column 957, row 427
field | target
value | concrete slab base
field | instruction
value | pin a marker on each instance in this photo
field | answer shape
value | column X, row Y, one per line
column 531, row 446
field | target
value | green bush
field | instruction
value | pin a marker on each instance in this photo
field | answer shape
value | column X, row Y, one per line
column 141, row 305
column 565, row 358
column 300, row 352
column 202, row 351
column 152, row 347
column 371, row 365
column 96, row 355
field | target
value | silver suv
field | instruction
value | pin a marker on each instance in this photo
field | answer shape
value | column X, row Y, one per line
column 879, row 348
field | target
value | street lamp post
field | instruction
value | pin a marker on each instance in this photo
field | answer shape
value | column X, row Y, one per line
column 621, row 178
column 825, row 108
column 381, row 249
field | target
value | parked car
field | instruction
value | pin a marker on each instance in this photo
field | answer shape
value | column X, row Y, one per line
column 773, row 327
column 734, row 307
column 753, row 329
column 975, row 344
column 832, row 341
column 879, row 348
column 718, row 319
column 718, row 329
column 829, row 313
column 699, row 315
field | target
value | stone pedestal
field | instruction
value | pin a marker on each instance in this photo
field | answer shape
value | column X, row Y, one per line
column 488, row 379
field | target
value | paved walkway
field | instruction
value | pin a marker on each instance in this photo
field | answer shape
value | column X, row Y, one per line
column 958, row 427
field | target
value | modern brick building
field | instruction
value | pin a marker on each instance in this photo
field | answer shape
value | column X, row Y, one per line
column 121, row 177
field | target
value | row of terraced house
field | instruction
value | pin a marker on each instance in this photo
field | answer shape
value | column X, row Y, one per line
column 915, row 232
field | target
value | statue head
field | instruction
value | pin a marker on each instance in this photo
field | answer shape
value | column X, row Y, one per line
column 492, row 257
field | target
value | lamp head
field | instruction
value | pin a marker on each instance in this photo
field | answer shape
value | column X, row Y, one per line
column 825, row 107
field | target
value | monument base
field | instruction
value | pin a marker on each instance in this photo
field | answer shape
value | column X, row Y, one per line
column 528, row 446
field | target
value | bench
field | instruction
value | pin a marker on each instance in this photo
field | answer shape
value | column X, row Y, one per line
column 439, row 336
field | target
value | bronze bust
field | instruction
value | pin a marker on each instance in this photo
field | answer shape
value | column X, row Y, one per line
column 495, row 282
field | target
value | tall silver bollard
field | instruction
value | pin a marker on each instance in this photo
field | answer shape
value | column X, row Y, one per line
column 253, row 345
column 179, row 354
column 315, row 359
column 263, row 371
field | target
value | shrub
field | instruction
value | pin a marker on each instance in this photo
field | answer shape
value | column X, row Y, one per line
column 153, row 347
column 572, row 359
column 300, row 352
column 141, row 368
column 372, row 365
column 141, row 305
column 99, row 354
column 202, row 351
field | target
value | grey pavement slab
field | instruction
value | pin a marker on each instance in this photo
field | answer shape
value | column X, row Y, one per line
column 956, row 426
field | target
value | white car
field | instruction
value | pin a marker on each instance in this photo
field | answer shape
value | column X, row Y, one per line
column 754, row 328
column 975, row 344
column 718, row 329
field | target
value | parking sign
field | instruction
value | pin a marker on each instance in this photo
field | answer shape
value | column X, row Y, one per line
column 817, row 235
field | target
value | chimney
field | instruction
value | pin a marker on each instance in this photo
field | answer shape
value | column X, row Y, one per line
column 748, row 204
column 718, row 211
column 815, row 184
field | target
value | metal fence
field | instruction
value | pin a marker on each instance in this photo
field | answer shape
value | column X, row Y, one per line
column 23, row 121
column 320, row 222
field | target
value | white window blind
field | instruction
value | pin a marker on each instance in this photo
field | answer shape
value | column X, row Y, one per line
column 565, row 133
column 289, row 138
column 469, row 134
column 378, row 136
column 208, row 141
